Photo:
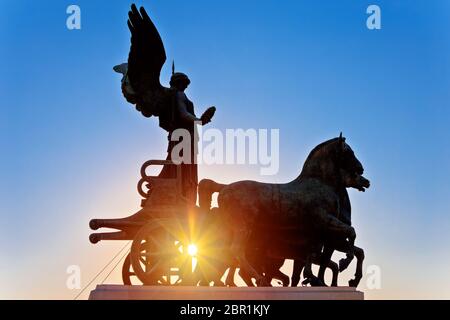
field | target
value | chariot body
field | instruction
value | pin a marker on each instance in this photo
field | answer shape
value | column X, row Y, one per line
column 173, row 241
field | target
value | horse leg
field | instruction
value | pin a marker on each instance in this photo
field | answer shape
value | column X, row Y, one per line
column 272, row 271
column 310, row 278
column 238, row 249
column 345, row 262
column 277, row 274
column 335, row 270
column 246, row 277
column 334, row 226
column 217, row 274
column 229, row 281
column 345, row 247
column 296, row 272
column 323, row 261
column 359, row 254
column 230, row 263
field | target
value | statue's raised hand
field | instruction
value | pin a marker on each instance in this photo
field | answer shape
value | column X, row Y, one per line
column 207, row 115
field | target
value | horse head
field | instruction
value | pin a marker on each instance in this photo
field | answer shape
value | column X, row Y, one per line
column 335, row 162
column 350, row 168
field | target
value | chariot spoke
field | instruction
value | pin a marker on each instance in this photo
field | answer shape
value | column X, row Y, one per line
column 155, row 267
column 155, row 254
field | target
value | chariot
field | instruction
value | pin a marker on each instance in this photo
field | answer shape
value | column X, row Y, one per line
column 166, row 233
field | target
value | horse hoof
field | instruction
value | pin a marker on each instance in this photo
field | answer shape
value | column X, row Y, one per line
column 353, row 283
column 319, row 283
column 314, row 282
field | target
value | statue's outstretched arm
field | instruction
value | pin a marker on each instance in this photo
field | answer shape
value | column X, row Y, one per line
column 190, row 118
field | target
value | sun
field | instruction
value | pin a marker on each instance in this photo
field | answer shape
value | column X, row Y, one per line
column 192, row 250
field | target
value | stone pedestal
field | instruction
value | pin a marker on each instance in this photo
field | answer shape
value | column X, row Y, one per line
column 121, row 292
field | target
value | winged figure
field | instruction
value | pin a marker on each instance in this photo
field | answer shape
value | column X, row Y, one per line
column 141, row 87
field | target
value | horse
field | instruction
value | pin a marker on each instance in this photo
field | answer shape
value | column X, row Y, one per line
column 304, row 211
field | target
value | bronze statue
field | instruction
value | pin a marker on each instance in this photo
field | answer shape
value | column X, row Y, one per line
column 256, row 226
column 141, row 87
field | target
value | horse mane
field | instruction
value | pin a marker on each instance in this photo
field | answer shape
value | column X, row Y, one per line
column 313, row 153
column 318, row 147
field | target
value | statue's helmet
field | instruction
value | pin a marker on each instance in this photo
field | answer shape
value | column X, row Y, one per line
column 179, row 78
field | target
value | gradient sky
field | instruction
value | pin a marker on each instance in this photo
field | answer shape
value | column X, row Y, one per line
column 72, row 147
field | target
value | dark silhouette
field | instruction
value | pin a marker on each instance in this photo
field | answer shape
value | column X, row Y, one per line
column 256, row 226
column 141, row 87
column 305, row 212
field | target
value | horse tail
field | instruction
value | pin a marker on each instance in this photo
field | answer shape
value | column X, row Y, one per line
column 206, row 188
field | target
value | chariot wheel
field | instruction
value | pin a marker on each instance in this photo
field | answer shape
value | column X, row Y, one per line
column 129, row 277
column 157, row 257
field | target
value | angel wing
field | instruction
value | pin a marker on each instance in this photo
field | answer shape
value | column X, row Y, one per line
column 141, row 84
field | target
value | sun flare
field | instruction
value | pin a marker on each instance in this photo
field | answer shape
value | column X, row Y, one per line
column 192, row 250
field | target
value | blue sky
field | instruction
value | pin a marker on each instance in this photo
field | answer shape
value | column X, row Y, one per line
column 72, row 147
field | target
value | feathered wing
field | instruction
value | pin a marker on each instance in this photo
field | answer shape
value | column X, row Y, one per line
column 145, row 61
